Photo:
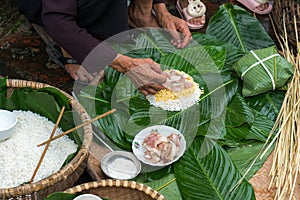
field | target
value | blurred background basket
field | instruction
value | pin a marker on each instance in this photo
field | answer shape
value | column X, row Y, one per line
column 117, row 190
column 285, row 11
column 67, row 176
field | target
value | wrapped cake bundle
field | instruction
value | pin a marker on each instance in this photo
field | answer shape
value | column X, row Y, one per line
column 263, row 70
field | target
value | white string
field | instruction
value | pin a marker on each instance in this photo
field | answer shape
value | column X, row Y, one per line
column 264, row 66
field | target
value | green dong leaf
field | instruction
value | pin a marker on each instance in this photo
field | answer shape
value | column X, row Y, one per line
column 235, row 26
column 206, row 172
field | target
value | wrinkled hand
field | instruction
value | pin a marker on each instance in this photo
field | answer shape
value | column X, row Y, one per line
column 78, row 72
column 177, row 27
column 144, row 73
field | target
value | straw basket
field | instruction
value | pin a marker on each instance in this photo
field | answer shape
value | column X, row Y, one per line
column 285, row 11
column 66, row 176
column 117, row 190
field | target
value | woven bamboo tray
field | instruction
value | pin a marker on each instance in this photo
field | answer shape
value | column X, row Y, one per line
column 117, row 190
column 284, row 11
column 66, row 176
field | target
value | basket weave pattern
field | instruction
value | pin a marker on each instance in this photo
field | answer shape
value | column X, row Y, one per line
column 284, row 11
column 118, row 189
column 66, row 176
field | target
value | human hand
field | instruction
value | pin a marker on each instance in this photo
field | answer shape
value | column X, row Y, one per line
column 178, row 27
column 145, row 74
column 78, row 72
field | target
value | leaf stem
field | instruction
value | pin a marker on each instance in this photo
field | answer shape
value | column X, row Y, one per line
column 203, row 97
column 93, row 98
column 166, row 184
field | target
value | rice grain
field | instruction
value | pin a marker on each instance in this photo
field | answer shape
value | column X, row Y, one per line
column 19, row 154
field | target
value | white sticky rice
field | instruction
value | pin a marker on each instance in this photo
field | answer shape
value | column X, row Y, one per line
column 176, row 101
column 19, row 155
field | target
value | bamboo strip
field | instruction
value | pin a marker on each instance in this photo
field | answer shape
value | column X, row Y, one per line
column 285, row 167
column 79, row 126
column 48, row 144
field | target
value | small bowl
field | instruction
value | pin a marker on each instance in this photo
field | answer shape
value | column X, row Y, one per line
column 120, row 165
column 8, row 121
column 139, row 150
column 87, row 197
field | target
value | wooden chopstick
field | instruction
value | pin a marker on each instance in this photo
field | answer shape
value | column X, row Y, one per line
column 79, row 126
column 48, row 144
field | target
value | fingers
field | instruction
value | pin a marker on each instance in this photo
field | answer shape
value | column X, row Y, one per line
column 78, row 72
column 72, row 70
column 160, row 78
column 181, row 33
column 186, row 35
column 155, row 66
column 157, row 75
column 83, row 75
column 151, row 89
column 155, row 72
column 176, row 36
column 147, row 76
column 182, row 42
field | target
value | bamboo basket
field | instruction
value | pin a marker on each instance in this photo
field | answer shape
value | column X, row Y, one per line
column 67, row 175
column 284, row 12
column 117, row 190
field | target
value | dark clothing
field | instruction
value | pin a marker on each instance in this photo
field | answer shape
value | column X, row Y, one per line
column 76, row 25
column 72, row 24
column 32, row 9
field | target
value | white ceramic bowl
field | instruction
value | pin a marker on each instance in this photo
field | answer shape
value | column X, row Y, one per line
column 87, row 197
column 139, row 150
column 8, row 121
column 120, row 165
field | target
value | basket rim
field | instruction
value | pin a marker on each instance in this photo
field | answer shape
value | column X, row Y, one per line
column 69, row 168
column 117, row 183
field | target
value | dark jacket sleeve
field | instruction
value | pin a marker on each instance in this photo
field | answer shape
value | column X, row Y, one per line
column 59, row 19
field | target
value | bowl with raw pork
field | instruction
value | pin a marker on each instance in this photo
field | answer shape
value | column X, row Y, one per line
column 159, row 145
column 7, row 123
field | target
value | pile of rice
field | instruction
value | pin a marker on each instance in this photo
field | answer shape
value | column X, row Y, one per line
column 167, row 99
column 19, row 154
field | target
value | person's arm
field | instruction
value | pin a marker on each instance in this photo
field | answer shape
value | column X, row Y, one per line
column 59, row 19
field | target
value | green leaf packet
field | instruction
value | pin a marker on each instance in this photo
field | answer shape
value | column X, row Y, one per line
column 263, row 70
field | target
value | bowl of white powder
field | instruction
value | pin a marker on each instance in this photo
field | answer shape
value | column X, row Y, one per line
column 120, row 165
column 8, row 122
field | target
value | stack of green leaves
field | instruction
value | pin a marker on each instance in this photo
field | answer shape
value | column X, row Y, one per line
column 224, row 132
